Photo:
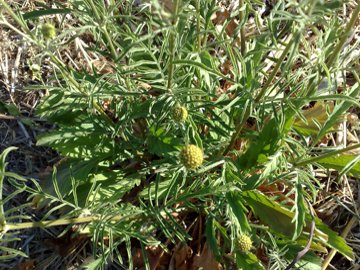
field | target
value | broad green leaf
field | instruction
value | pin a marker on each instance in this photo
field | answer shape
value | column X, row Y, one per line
column 270, row 212
column 310, row 261
column 280, row 219
column 247, row 261
column 160, row 143
column 83, row 141
column 334, row 240
column 68, row 169
column 340, row 162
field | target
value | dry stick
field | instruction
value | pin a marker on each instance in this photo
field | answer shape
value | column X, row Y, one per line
column 307, row 248
column 343, row 234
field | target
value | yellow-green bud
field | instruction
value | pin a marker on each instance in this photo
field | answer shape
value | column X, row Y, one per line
column 180, row 114
column 191, row 156
column 48, row 30
column 244, row 243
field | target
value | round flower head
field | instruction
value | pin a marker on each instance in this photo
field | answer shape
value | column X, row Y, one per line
column 191, row 156
column 48, row 30
column 180, row 114
column 245, row 243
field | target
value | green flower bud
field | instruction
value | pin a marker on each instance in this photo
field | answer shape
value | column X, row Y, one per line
column 48, row 30
column 244, row 243
column 191, row 156
column 180, row 114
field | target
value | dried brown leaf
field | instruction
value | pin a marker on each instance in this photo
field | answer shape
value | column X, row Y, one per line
column 205, row 260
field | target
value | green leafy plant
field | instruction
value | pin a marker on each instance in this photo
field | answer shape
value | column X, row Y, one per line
column 123, row 153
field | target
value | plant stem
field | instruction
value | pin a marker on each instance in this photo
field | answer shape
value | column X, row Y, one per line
column 237, row 132
column 277, row 66
column 172, row 45
column 242, row 29
column 198, row 25
column 344, row 37
column 57, row 222
column 16, row 18
column 2, row 171
column 103, row 27
column 329, row 154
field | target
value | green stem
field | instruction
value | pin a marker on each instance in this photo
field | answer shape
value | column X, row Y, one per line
column 57, row 222
column 242, row 29
column 172, row 45
column 276, row 68
column 2, row 171
column 198, row 25
column 99, row 20
column 344, row 37
column 329, row 154
column 237, row 132
column 16, row 18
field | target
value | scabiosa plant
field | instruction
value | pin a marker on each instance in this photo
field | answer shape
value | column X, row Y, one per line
column 48, row 30
column 191, row 156
column 180, row 114
column 244, row 243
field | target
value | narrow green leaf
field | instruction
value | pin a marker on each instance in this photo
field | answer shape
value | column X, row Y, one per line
column 339, row 110
column 300, row 209
column 234, row 200
column 340, row 162
column 247, row 261
column 45, row 12
column 211, row 237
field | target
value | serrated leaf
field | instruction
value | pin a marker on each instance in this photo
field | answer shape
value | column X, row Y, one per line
column 83, row 141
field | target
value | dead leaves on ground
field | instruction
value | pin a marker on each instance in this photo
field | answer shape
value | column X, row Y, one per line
column 182, row 258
